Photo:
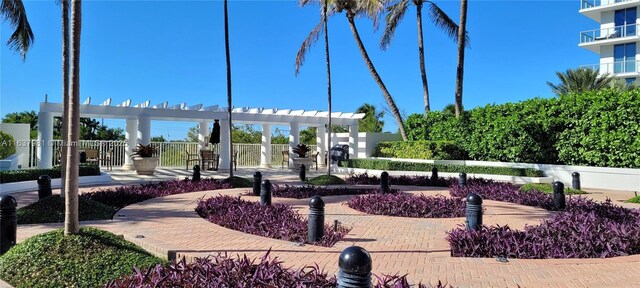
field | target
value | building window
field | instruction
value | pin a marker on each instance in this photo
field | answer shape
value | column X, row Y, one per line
column 630, row 81
column 625, row 22
column 624, row 57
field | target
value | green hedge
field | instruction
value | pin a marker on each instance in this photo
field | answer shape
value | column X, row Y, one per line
column 33, row 174
column 410, row 166
column 7, row 145
column 421, row 149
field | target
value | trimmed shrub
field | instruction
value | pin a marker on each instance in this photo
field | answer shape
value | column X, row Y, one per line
column 7, row 145
column 51, row 210
column 548, row 188
column 635, row 199
column 278, row 221
column 239, row 182
column 439, row 150
column 33, row 174
column 301, row 192
column 326, row 180
column 377, row 164
column 366, row 179
column 407, row 205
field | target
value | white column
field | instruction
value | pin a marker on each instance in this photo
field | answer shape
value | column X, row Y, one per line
column 294, row 139
column 45, row 137
column 353, row 140
column 202, row 135
column 144, row 127
column 265, row 148
column 131, row 137
column 321, row 142
column 225, row 147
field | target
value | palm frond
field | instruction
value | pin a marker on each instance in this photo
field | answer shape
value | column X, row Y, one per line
column 371, row 9
column 443, row 21
column 395, row 13
column 22, row 38
column 311, row 39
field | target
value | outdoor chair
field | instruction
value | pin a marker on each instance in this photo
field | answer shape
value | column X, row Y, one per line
column 191, row 158
column 235, row 160
column 93, row 156
column 209, row 160
column 314, row 158
column 108, row 158
column 285, row 159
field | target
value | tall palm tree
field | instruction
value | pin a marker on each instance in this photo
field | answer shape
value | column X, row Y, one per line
column 230, row 108
column 461, row 46
column 22, row 38
column 71, row 225
column 580, row 80
column 65, row 91
column 395, row 13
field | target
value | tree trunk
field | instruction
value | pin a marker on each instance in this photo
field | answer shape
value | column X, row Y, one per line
column 461, row 45
column 65, row 94
column 229, row 102
column 423, row 70
column 71, row 225
column 326, row 53
column 376, row 76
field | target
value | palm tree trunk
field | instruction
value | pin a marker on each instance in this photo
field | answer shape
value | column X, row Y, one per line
column 65, row 93
column 376, row 76
column 461, row 45
column 423, row 70
column 326, row 53
column 230, row 109
column 71, row 225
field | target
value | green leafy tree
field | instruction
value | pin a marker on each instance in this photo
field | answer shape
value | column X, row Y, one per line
column 158, row 139
column 308, row 136
column 246, row 134
column 278, row 137
column 22, row 38
column 192, row 134
column 580, row 80
column 372, row 121
column 27, row 117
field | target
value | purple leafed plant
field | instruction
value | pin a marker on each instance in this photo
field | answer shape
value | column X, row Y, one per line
column 506, row 192
column 587, row 229
column 407, row 205
column 123, row 196
column 278, row 221
column 301, row 192
column 366, row 179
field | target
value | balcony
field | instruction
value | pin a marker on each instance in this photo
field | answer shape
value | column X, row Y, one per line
column 628, row 68
column 593, row 39
column 594, row 8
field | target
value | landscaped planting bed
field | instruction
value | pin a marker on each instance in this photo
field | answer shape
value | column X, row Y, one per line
column 366, row 179
column 548, row 188
column 407, row 205
column 379, row 164
column 33, row 174
column 506, row 192
column 278, row 221
column 51, row 210
column 326, row 180
column 301, row 192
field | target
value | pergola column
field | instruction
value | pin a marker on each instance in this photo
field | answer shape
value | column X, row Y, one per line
column 353, row 140
column 321, row 142
column 131, row 137
column 202, row 135
column 225, row 146
column 45, row 137
column 265, row 148
column 294, row 139
column 144, row 127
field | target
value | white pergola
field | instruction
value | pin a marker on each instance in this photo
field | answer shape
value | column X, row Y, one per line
column 138, row 125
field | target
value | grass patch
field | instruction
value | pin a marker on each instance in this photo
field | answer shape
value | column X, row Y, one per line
column 51, row 209
column 326, row 180
column 548, row 188
column 90, row 259
column 239, row 182
column 635, row 199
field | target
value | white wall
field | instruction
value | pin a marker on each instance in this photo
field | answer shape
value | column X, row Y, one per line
column 21, row 134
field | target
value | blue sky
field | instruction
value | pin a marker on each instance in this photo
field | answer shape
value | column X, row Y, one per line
column 174, row 51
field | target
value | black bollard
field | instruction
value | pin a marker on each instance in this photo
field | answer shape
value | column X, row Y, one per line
column 575, row 180
column 303, row 171
column 316, row 219
column 462, row 179
column 559, row 201
column 196, row 173
column 8, row 222
column 434, row 174
column 257, row 179
column 265, row 193
column 474, row 211
column 355, row 268
column 83, row 157
column 44, row 186
column 384, row 182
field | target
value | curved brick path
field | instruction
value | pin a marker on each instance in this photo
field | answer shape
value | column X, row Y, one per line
column 169, row 226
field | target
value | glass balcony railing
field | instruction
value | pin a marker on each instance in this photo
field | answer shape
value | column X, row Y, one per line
column 629, row 66
column 609, row 33
column 585, row 4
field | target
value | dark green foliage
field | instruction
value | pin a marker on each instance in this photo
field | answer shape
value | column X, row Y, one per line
column 421, row 149
column 33, row 174
column 409, row 166
column 635, row 199
column 51, row 210
column 326, row 180
column 548, row 188
column 89, row 259
column 239, row 182
column 7, row 145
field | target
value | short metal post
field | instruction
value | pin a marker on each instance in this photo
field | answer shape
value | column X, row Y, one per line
column 44, row 186
column 575, row 181
column 384, row 182
column 303, row 171
column 462, row 179
column 316, row 219
column 434, row 174
column 257, row 179
column 8, row 222
column 474, row 211
column 196, row 173
column 355, row 268
column 559, row 201
column 265, row 193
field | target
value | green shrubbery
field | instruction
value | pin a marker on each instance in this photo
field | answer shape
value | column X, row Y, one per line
column 326, row 180
column 548, row 188
column 389, row 165
column 51, row 210
column 420, row 149
column 598, row 128
column 7, row 145
column 33, row 174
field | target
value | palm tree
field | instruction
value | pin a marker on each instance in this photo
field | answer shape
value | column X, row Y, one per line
column 461, row 46
column 22, row 38
column 65, row 91
column 579, row 80
column 395, row 13
column 229, row 108
column 71, row 225
column 372, row 121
